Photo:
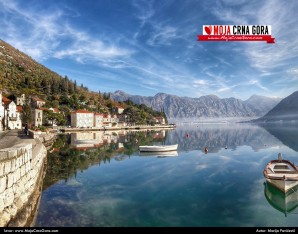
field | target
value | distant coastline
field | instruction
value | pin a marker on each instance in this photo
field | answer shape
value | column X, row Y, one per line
column 134, row 127
column 226, row 120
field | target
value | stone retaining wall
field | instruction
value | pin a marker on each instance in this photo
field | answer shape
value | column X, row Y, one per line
column 21, row 175
column 47, row 138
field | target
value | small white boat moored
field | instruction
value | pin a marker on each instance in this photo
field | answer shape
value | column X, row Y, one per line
column 282, row 174
column 158, row 148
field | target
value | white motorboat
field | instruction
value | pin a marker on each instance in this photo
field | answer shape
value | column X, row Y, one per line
column 158, row 148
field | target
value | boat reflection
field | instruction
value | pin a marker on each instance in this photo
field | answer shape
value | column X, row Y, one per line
column 283, row 202
column 159, row 154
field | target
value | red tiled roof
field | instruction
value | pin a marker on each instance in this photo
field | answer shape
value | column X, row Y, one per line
column 5, row 100
column 56, row 110
column 82, row 111
column 98, row 114
column 38, row 99
column 19, row 108
column 56, row 149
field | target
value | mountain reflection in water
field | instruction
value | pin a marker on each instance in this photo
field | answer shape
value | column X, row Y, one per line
column 216, row 137
column 286, row 133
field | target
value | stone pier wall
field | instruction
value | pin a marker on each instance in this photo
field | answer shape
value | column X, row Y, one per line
column 21, row 176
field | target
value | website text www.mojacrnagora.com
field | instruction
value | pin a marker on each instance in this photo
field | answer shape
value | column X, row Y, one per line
column 30, row 230
column 240, row 37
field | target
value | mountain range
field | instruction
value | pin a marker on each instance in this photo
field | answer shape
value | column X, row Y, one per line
column 285, row 110
column 209, row 106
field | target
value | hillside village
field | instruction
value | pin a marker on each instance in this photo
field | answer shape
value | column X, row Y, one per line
column 13, row 116
column 32, row 94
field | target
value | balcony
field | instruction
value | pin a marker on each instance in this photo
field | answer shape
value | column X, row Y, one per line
column 12, row 118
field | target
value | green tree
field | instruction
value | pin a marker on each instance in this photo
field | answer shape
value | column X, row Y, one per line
column 75, row 86
column 50, row 118
column 82, row 97
column 27, row 112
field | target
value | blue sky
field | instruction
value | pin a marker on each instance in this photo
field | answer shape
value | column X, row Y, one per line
column 146, row 47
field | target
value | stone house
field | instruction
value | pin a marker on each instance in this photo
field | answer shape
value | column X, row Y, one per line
column 118, row 109
column 82, row 118
column 12, row 118
column 159, row 120
column 110, row 120
column 21, row 100
column 37, row 102
column 37, row 117
column 98, row 120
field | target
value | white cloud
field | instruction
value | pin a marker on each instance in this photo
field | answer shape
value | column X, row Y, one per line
column 89, row 49
column 280, row 15
column 293, row 71
column 224, row 89
column 200, row 82
column 162, row 35
column 258, row 84
column 145, row 10
column 31, row 32
column 41, row 35
column 233, row 2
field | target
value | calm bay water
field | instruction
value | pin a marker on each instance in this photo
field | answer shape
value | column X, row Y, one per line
column 112, row 185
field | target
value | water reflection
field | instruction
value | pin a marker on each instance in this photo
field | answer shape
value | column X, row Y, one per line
column 193, row 189
column 159, row 154
column 286, row 133
column 79, row 151
column 83, row 140
column 285, row 203
column 223, row 136
column 82, row 149
column 196, row 137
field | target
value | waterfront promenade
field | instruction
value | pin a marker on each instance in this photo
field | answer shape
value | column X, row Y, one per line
column 13, row 137
column 133, row 127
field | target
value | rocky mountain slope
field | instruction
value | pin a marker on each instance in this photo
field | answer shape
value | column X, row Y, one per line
column 209, row 106
column 286, row 110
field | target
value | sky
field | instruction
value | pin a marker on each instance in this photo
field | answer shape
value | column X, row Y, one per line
column 145, row 47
